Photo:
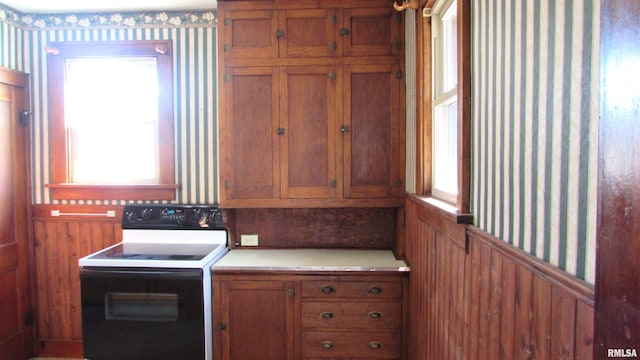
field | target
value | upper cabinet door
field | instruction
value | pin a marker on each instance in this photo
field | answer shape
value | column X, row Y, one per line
column 307, row 33
column 250, row 34
column 371, row 32
column 249, row 157
column 372, row 131
column 308, row 139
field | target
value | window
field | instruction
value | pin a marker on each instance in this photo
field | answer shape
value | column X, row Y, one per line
column 445, row 111
column 111, row 120
column 445, row 103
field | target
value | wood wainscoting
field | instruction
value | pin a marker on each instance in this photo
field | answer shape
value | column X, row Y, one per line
column 59, row 242
column 474, row 296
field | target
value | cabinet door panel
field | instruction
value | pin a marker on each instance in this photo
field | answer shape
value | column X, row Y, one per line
column 308, row 144
column 248, row 142
column 307, row 33
column 250, row 34
column 258, row 318
column 371, row 32
column 372, row 143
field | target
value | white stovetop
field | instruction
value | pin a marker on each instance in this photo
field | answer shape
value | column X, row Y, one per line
column 310, row 259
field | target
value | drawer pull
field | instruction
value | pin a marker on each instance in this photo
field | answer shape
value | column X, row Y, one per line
column 375, row 290
column 375, row 345
column 326, row 344
column 327, row 289
column 326, row 315
column 375, row 314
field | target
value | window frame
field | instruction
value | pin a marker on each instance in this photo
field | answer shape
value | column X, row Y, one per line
column 60, row 187
column 424, row 158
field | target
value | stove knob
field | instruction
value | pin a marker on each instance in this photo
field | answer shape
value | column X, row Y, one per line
column 131, row 216
column 146, row 213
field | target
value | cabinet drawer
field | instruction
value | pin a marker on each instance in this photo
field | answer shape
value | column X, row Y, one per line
column 334, row 315
column 352, row 289
column 374, row 345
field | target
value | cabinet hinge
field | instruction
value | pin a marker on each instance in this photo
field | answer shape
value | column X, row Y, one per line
column 227, row 78
column 222, row 326
column 291, row 292
column 333, row 19
column 227, row 21
column 398, row 74
column 399, row 45
column 226, row 47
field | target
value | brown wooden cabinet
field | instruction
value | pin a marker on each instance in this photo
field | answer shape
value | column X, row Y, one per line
column 310, row 104
column 310, row 316
column 254, row 319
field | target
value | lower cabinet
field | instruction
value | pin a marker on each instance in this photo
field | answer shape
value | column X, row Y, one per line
column 310, row 316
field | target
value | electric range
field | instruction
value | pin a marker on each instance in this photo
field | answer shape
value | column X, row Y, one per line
column 149, row 296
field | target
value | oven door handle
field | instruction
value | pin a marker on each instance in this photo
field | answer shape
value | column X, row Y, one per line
column 140, row 273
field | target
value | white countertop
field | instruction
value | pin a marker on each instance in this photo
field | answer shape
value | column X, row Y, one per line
column 310, row 260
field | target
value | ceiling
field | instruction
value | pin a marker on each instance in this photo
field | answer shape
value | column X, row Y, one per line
column 92, row 6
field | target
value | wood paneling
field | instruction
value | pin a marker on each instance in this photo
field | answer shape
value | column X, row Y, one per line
column 59, row 243
column 318, row 228
column 485, row 302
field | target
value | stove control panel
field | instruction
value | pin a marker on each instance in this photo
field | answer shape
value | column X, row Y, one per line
column 151, row 216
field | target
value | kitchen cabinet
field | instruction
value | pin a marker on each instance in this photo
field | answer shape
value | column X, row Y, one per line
column 310, row 105
column 309, row 316
column 315, row 303
column 286, row 32
column 253, row 318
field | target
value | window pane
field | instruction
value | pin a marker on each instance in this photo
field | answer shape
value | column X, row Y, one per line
column 450, row 48
column 111, row 114
column 445, row 143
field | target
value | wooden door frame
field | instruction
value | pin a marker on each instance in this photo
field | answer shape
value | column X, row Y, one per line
column 22, row 80
column 617, row 320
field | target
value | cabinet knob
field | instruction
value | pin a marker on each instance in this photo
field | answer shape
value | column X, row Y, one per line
column 327, row 315
column 327, row 289
column 222, row 326
column 344, row 32
column 375, row 290
column 344, row 129
column 375, row 345
column 326, row 344
column 375, row 314
column 279, row 34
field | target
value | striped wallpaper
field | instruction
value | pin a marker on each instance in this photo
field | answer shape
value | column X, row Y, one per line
column 534, row 128
column 194, row 46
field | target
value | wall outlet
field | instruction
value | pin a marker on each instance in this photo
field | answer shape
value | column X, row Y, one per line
column 249, row 240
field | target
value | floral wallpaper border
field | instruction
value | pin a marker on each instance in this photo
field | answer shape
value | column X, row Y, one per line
column 199, row 18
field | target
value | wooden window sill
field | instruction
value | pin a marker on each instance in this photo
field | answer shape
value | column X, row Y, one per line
column 113, row 192
column 444, row 217
column 444, row 209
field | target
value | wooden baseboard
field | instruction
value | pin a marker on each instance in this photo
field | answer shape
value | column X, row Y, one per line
column 57, row 348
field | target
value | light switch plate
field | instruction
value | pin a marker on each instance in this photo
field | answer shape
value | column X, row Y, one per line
column 249, row 240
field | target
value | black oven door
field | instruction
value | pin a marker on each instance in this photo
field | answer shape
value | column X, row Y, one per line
column 137, row 313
